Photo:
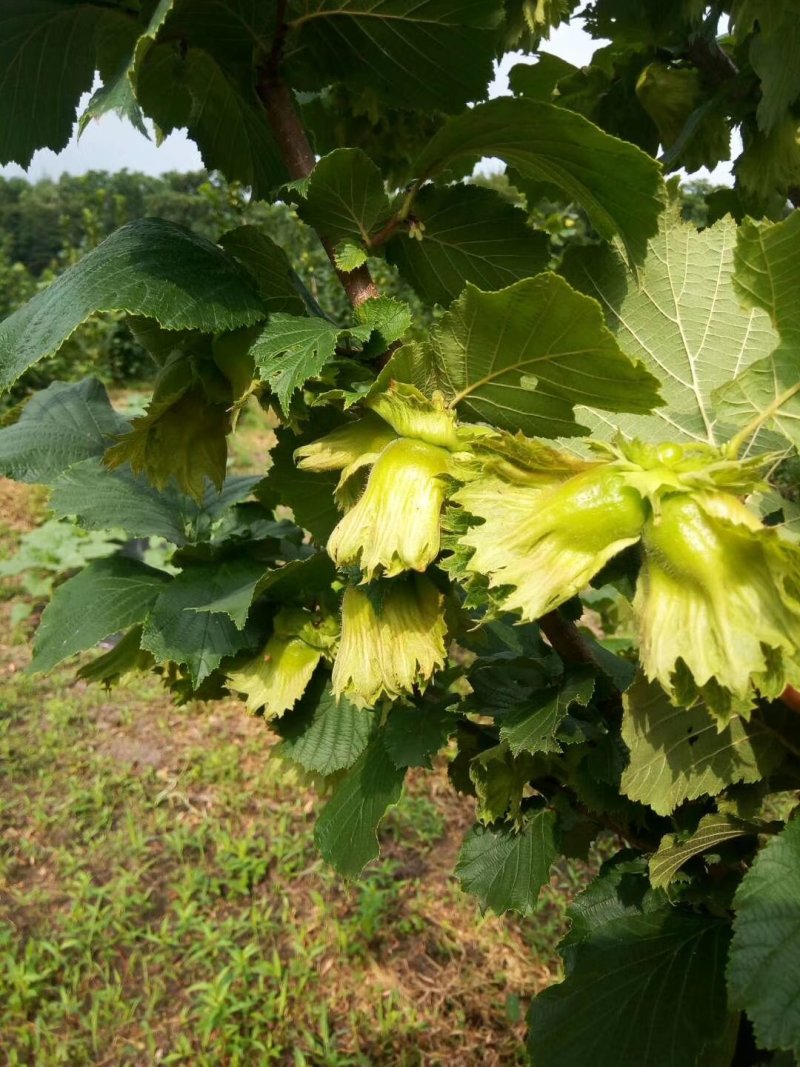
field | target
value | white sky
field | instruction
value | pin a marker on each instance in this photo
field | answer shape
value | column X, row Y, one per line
column 112, row 144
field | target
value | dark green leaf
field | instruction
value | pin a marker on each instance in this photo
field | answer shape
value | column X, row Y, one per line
column 321, row 734
column 764, row 966
column 307, row 493
column 344, row 198
column 346, row 831
column 645, row 989
column 534, row 726
column 413, row 735
column 470, row 235
column 618, row 185
column 523, row 357
column 107, row 596
column 199, row 640
column 149, row 267
column 59, row 426
column 269, row 266
column 434, row 54
column 672, row 854
column 505, row 869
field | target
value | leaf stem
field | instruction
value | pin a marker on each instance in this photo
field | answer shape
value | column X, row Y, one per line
column 764, row 416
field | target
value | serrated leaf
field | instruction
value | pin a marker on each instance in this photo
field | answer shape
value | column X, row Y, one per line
column 346, row 830
column 198, row 640
column 674, row 319
column 308, row 493
column 522, row 358
column 618, row 185
column 764, row 964
column 118, row 93
column 149, row 267
column 767, row 278
column 348, row 256
column 47, row 60
column 387, row 317
column 197, row 88
column 470, row 235
column 505, row 869
column 101, row 499
column 712, row 830
column 645, row 989
column 322, row 734
column 500, row 779
column 533, row 727
column 774, row 54
column 293, row 349
column 107, row 596
column 269, row 266
column 59, row 426
column 414, row 735
column 677, row 754
column 432, row 52
column 344, row 199
column 538, row 80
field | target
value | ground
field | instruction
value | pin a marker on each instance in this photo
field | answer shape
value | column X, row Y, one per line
column 161, row 900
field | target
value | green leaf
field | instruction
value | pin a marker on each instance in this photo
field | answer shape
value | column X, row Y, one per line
column 506, row 869
column 107, row 596
column 195, row 88
column 764, row 964
column 309, row 494
column 534, row 726
column 469, row 235
column 346, row 831
column 149, row 267
column 645, row 989
column 413, row 735
column 774, row 54
column 672, row 319
column 767, row 278
column 521, row 359
column 386, row 317
column 618, row 185
column 538, row 81
column 47, row 60
column 432, row 53
column 292, row 582
column 672, row 854
column 677, row 754
column 500, row 779
column 321, row 734
column 59, row 426
column 118, row 93
column 101, row 499
column 269, row 266
column 349, row 256
column 345, row 199
column 198, row 640
column 293, row 349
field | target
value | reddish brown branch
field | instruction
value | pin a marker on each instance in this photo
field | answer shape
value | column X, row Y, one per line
column 565, row 638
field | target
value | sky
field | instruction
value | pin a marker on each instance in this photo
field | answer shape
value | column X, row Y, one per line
column 112, row 144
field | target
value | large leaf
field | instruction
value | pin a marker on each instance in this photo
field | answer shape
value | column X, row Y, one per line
column 200, row 75
column 308, row 493
column 413, row 735
column 504, row 868
column 198, row 640
column 61, row 425
column 712, row 830
column 346, row 831
column 522, row 359
column 107, row 596
column 118, row 93
column 47, row 60
column 470, row 235
column 426, row 53
column 101, row 499
column 643, row 989
column 774, row 54
column 767, row 278
column 764, row 967
column 322, row 734
column 677, row 754
column 682, row 318
column 344, row 197
column 269, row 265
column 149, row 267
column 618, row 185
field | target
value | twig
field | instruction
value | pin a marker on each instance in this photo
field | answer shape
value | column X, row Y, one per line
column 566, row 639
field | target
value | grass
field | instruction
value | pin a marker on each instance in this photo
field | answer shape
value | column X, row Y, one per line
column 161, row 900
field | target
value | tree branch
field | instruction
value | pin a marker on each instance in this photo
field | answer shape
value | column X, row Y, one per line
column 295, row 148
column 565, row 638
